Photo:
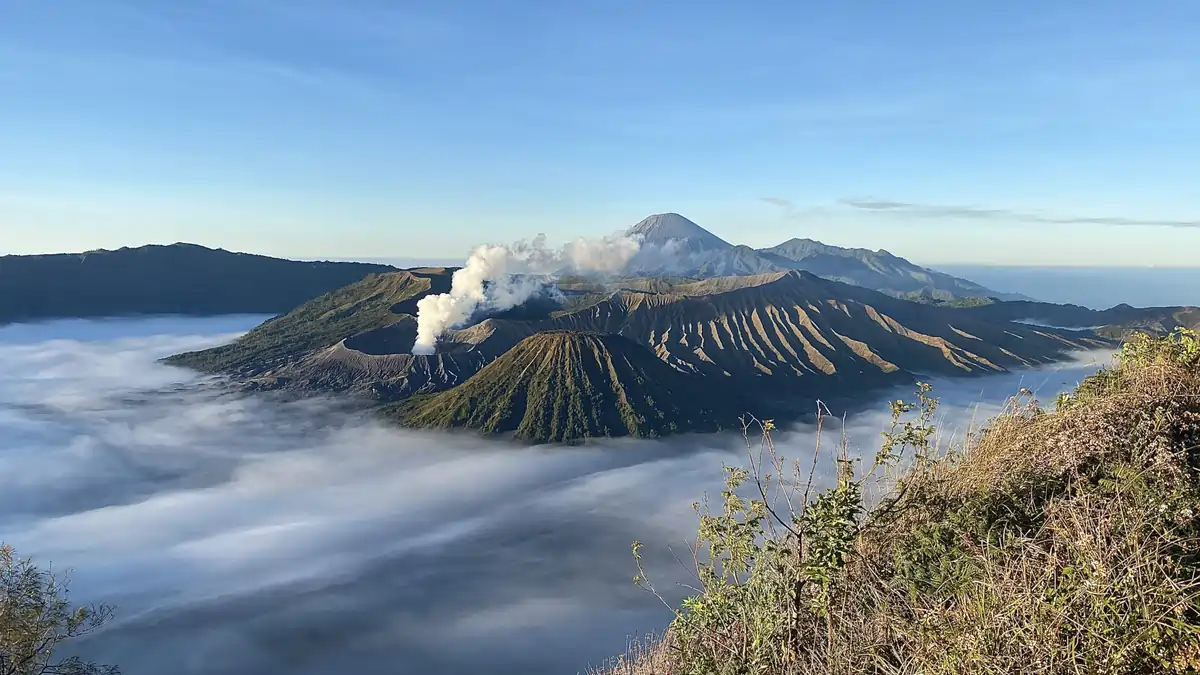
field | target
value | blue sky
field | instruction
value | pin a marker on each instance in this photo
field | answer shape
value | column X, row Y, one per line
column 1038, row 132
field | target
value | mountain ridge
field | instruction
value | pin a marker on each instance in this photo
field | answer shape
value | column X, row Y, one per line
column 374, row 303
column 770, row 340
column 190, row 279
column 880, row 270
column 180, row 278
column 1116, row 321
column 699, row 253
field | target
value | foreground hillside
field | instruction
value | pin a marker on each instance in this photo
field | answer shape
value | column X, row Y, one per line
column 564, row 386
column 175, row 279
column 1061, row 541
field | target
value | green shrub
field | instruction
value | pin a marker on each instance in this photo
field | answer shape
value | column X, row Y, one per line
column 36, row 617
column 1181, row 347
column 1065, row 542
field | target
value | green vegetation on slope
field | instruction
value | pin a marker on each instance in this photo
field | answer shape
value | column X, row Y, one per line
column 375, row 302
column 567, row 386
column 175, row 279
column 36, row 618
column 1058, row 542
column 808, row 335
column 927, row 296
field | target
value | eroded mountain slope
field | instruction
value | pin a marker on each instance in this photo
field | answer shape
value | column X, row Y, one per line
column 800, row 331
column 795, row 325
column 566, row 386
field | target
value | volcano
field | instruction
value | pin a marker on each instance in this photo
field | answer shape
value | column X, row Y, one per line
column 663, row 228
column 562, row 386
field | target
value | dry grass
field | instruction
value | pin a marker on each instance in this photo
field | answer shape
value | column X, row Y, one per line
column 1064, row 542
column 650, row 655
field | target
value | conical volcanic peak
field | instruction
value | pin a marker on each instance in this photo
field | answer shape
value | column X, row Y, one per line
column 567, row 386
column 674, row 245
column 661, row 228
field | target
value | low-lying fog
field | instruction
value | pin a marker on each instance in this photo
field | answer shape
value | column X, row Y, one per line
column 244, row 534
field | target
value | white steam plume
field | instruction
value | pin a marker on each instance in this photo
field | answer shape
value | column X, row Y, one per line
column 487, row 280
column 436, row 313
column 601, row 256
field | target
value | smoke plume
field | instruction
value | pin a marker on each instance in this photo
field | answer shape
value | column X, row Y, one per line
column 436, row 313
column 498, row 277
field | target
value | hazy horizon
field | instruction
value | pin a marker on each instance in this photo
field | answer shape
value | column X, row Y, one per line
column 449, row 260
column 1097, row 287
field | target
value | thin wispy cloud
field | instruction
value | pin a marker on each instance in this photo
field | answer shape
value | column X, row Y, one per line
column 914, row 209
column 781, row 203
column 790, row 210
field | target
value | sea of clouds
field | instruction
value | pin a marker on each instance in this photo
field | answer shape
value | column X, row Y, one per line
column 243, row 534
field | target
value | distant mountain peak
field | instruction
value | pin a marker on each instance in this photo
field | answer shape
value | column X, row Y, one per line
column 800, row 246
column 879, row 269
column 674, row 245
column 661, row 228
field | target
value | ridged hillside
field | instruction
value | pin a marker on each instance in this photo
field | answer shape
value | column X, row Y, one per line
column 565, row 386
column 803, row 333
column 798, row 325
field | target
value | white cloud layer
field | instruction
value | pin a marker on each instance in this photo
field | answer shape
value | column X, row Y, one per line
column 247, row 534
